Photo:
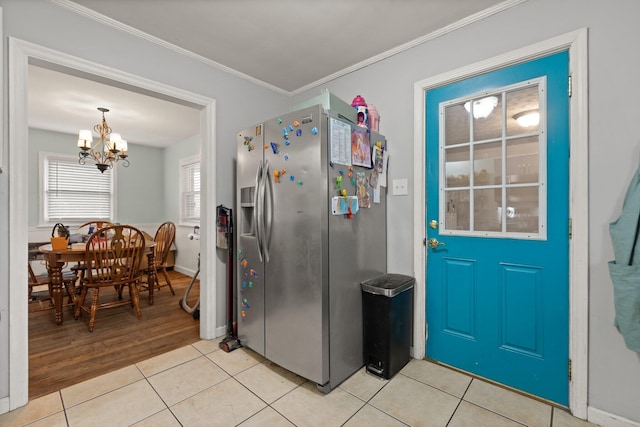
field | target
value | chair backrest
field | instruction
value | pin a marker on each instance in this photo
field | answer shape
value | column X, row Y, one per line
column 165, row 235
column 93, row 226
column 32, row 276
column 115, row 259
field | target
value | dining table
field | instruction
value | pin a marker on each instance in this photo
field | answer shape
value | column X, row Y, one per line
column 58, row 258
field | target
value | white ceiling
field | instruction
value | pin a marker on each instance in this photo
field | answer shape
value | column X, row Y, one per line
column 286, row 45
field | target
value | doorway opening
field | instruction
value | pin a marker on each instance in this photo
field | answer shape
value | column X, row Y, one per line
column 21, row 55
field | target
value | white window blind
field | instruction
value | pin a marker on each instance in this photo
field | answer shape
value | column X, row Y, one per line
column 190, row 190
column 76, row 192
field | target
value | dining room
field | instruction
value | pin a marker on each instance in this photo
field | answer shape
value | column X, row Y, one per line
column 159, row 183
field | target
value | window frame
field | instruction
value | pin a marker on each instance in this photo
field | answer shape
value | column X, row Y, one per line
column 541, row 134
column 44, row 220
column 186, row 162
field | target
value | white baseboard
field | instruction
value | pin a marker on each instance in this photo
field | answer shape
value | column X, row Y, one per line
column 605, row 419
column 183, row 270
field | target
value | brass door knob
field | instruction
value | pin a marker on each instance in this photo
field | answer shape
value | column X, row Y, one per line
column 434, row 243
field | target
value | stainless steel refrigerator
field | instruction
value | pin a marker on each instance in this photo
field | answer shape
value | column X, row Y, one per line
column 303, row 248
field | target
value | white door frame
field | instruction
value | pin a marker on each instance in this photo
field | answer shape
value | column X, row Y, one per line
column 21, row 53
column 576, row 43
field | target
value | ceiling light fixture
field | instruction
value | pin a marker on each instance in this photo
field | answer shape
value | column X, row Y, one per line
column 106, row 152
column 482, row 107
column 528, row 118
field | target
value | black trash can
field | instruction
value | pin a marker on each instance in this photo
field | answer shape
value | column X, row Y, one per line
column 387, row 307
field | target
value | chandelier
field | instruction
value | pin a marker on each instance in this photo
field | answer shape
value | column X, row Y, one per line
column 106, row 152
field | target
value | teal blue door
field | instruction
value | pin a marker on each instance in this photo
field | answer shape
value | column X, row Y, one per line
column 498, row 226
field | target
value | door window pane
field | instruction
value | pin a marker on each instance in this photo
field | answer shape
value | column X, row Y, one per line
column 457, row 166
column 523, row 111
column 487, row 118
column 522, row 209
column 486, row 209
column 457, row 210
column 456, row 125
column 523, row 160
column 487, row 164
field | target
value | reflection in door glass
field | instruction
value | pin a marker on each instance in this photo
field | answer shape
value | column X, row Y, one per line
column 492, row 162
column 523, row 160
column 522, row 209
column 486, row 209
column 457, row 210
column 488, row 123
column 456, row 125
column 457, row 166
column 487, row 164
column 523, row 115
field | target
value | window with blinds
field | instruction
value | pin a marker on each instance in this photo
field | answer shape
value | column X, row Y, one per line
column 190, row 190
column 75, row 193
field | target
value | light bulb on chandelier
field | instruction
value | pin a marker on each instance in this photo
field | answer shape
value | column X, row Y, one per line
column 106, row 152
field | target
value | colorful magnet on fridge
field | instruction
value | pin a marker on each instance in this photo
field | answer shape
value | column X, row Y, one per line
column 338, row 182
column 287, row 142
column 299, row 132
column 276, row 176
column 296, row 123
column 251, row 284
column 343, row 193
column 291, row 178
column 286, row 157
column 279, row 120
column 330, row 163
column 244, row 262
column 244, row 284
column 274, row 148
column 291, row 128
column 299, row 182
column 341, row 172
column 243, row 314
column 314, row 130
column 284, row 132
column 247, row 140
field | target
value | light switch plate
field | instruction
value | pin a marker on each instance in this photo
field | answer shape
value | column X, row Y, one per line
column 400, row 187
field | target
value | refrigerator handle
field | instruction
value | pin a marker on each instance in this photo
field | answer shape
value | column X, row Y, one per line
column 264, row 207
column 257, row 210
column 267, row 211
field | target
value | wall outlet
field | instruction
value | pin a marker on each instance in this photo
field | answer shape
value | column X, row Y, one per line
column 400, row 187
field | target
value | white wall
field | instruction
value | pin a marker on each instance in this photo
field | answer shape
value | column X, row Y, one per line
column 239, row 103
column 614, row 149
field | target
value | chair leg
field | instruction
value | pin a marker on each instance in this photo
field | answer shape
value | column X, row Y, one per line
column 166, row 277
column 80, row 302
column 94, row 308
column 135, row 299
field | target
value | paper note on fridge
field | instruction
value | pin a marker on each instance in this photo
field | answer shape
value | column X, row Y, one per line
column 340, row 205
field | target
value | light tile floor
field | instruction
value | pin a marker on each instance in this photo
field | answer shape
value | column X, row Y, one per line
column 200, row 385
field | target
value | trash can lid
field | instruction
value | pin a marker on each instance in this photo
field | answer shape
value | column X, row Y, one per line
column 388, row 284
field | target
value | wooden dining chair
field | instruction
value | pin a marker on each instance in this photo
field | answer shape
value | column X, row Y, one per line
column 164, row 238
column 40, row 296
column 115, row 262
column 87, row 229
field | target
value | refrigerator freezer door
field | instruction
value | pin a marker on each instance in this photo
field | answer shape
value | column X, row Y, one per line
column 296, row 319
column 249, row 267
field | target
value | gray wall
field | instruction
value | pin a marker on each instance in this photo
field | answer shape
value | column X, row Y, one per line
column 614, row 145
column 238, row 104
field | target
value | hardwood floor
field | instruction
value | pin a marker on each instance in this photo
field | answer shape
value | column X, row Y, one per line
column 60, row 356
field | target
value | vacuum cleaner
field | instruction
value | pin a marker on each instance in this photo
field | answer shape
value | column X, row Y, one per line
column 184, row 303
column 225, row 238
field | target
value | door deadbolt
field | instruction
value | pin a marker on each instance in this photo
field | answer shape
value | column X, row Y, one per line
column 433, row 224
column 434, row 243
